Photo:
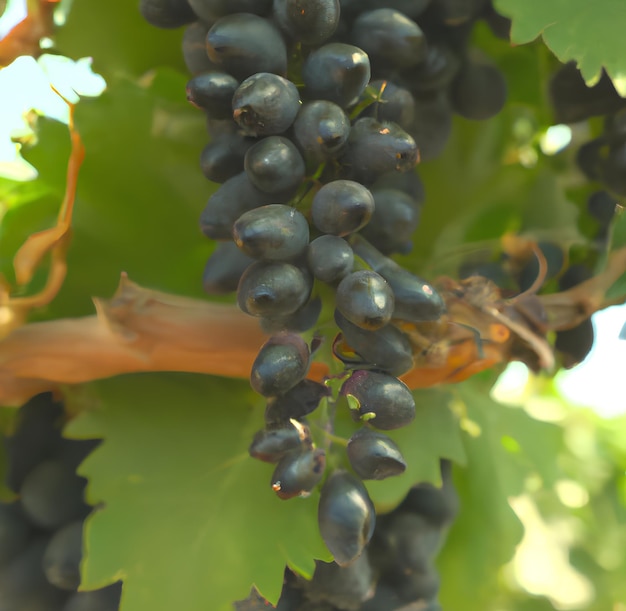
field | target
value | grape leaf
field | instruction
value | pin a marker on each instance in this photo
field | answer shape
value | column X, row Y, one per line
column 590, row 33
column 189, row 520
column 504, row 446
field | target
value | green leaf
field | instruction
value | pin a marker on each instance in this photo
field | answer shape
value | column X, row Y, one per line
column 188, row 520
column 504, row 446
column 140, row 192
column 589, row 33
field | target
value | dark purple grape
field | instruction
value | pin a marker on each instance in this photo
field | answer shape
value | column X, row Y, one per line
column 330, row 258
column 396, row 216
column 435, row 73
column 194, row 49
column 573, row 101
column 396, row 104
column 380, row 399
column 432, row 125
column 213, row 92
column 455, row 12
column 223, row 157
column 275, row 165
column 411, row 8
column 272, row 289
column 212, row 9
column 415, row 299
column 615, row 128
column 166, row 13
column 61, row 560
column 365, row 299
column 590, row 156
column 478, row 91
column 387, row 349
column 321, row 130
column 345, row 587
column 376, row 148
column 342, row 207
column 613, row 170
column 336, row 72
column 224, row 268
column 52, row 495
column 499, row 25
column 390, row 39
column 310, row 23
column 236, row 196
column 282, row 362
column 296, row 403
column 576, row 343
column 265, row 104
column 243, row 44
column 407, row 182
column 15, row 532
column 303, row 319
column 438, row 505
column 271, row 444
column 105, row 599
column 273, row 233
column 37, row 434
column 373, row 455
column 421, row 585
column 346, row 517
column 298, row 473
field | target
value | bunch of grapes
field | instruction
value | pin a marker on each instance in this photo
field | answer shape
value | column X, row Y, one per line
column 41, row 534
column 318, row 112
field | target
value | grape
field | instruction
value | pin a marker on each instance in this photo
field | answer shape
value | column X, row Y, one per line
column 345, row 587
column 36, row 436
column 437, row 505
column 297, row 402
column 455, row 12
column 298, row 473
column 282, row 362
column 72, row 452
column 236, row 196
column 613, row 170
column 330, row 258
column 166, row 13
column 321, row 130
column 213, row 92
column 220, row 8
column 573, row 101
column 61, row 560
column 376, row 148
column 244, row 44
column 478, row 91
column 396, row 216
column 432, row 125
column 422, row 586
column 310, row 23
column 575, row 343
column 387, row 349
column 337, row 72
column 224, row 269
column 382, row 400
column 365, row 299
column 407, row 182
column 52, row 495
column 265, row 104
column 274, row 165
column 106, row 599
column 303, row 319
column 23, row 584
column 194, row 48
column 342, row 207
column 615, row 128
column 589, row 158
column 373, row 455
column 411, row 8
column 272, row 444
column 390, row 39
column 272, row 289
column 273, row 233
column 499, row 25
column 396, row 104
column 223, row 157
column 15, row 531
column 346, row 517
column 415, row 299
column 435, row 73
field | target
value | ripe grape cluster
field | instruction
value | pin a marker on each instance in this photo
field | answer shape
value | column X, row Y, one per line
column 41, row 533
column 318, row 112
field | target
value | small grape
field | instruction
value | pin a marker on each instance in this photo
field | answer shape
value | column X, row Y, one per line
column 342, row 207
column 373, row 455
column 272, row 444
column 298, row 473
column 330, row 258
